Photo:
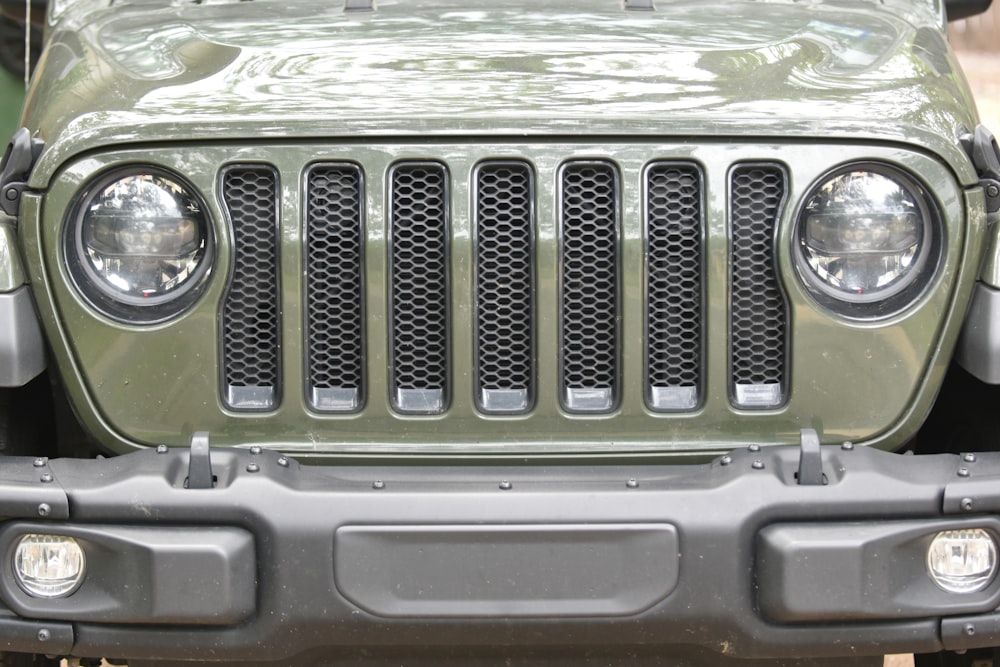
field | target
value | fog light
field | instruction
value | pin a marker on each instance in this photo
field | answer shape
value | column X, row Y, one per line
column 48, row 566
column 962, row 561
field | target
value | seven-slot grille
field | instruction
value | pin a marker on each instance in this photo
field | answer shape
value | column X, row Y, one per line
column 505, row 311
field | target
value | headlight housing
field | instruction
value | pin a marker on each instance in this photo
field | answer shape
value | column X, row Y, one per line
column 867, row 240
column 139, row 244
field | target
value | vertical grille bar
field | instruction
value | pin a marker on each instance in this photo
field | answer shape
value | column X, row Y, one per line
column 590, row 224
column 758, row 315
column 418, row 223
column 334, row 197
column 504, row 281
column 250, row 311
column 674, row 220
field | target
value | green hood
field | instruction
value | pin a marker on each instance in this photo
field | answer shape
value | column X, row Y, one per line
column 157, row 71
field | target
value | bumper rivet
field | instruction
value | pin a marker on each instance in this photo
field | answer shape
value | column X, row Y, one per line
column 963, row 472
column 378, row 485
column 283, row 462
column 253, row 467
column 632, row 483
column 44, row 635
column 506, row 486
column 969, row 458
column 726, row 460
column 754, row 448
column 757, row 464
column 848, row 446
column 969, row 629
column 46, row 477
column 967, row 504
column 161, row 449
column 40, row 462
column 44, row 509
column 255, row 450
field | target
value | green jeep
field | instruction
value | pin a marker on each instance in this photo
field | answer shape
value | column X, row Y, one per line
column 564, row 332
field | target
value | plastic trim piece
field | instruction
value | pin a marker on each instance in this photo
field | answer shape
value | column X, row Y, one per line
column 22, row 350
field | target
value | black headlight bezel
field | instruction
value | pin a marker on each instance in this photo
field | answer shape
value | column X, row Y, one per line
column 114, row 303
column 879, row 305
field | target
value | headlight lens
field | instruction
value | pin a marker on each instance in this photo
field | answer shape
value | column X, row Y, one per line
column 48, row 566
column 865, row 236
column 140, row 241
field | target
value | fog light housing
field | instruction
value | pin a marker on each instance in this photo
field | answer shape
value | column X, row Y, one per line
column 48, row 566
column 962, row 561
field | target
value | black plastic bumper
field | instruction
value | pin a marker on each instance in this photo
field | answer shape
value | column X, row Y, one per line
column 274, row 559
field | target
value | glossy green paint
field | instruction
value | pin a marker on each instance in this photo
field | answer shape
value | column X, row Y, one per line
column 867, row 382
column 277, row 69
column 194, row 87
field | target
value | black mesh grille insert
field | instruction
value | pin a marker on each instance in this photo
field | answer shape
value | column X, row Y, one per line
column 674, row 215
column 333, row 204
column 757, row 311
column 250, row 311
column 504, row 225
column 418, row 220
column 589, row 215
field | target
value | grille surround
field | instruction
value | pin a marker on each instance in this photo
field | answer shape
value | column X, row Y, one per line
column 583, row 326
column 250, row 317
column 758, row 342
column 335, row 266
column 419, row 317
column 510, row 292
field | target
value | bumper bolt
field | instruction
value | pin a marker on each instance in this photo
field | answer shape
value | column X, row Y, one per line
column 848, row 446
column 255, row 450
column 161, row 449
column 967, row 504
column 757, row 464
column 40, row 462
column 991, row 191
column 44, row 635
column 506, row 486
column 726, row 460
column 283, row 462
column 969, row 629
column 253, row 467
column 963, row 472
column 969, row 458
column 632, row 483
column 46, row 477
column 10, row 194
column 44, row 509
column 378, row 485
column 754, row 448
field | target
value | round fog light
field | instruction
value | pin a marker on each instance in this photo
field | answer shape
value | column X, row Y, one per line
column 962, row 561
column 48, row 566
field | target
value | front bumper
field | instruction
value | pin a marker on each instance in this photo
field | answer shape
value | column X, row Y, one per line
column 273, row 559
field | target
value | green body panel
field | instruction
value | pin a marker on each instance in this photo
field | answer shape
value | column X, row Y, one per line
column 145, row 72
column 151, row 385
column 193, row 88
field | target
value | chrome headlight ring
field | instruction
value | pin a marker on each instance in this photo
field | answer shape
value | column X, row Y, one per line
column 139, row 244
column 867, row 240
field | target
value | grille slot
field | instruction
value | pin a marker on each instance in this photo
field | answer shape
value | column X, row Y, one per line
column 674, row 221
column 334, row 311
column 504, row 286
column 590, row 223
column 250, row 311
column 418, row 227
column 758, row 311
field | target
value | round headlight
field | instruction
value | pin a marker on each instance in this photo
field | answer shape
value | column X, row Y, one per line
column 962, row 561
column 865, row 239
column 140, row 242
column 48, row 566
